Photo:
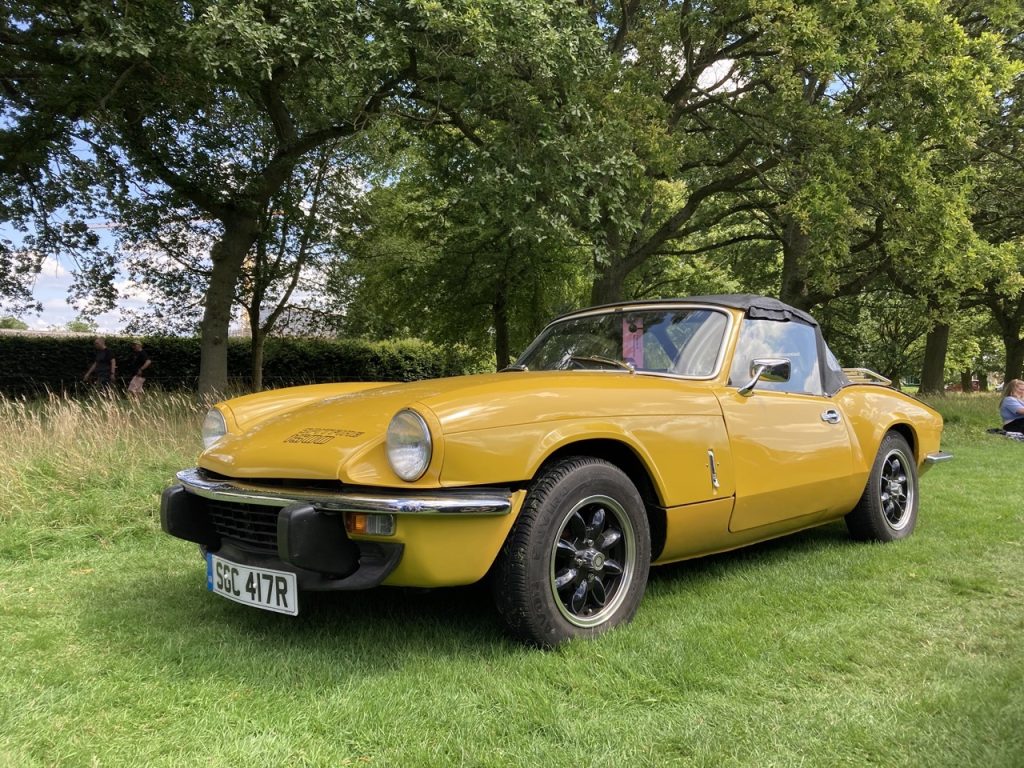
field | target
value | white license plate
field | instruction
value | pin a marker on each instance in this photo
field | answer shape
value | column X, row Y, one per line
column 259, row 587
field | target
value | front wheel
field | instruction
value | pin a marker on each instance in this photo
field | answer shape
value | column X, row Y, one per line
column 887, row 510
column 575, row 563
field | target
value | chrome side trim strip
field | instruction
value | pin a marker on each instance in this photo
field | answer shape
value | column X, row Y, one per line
column 935, row 458
column 477, row 501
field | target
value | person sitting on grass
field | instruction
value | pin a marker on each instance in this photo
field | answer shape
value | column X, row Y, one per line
column 1012, row 407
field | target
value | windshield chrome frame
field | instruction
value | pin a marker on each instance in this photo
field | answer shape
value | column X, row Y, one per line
column 730, row 320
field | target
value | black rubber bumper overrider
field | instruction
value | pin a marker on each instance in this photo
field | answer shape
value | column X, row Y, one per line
column 183, row 514
column 315, row 540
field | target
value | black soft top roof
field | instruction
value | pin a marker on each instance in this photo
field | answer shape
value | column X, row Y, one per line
column 759, row 307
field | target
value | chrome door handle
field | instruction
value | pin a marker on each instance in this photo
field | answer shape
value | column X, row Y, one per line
column 714, row 469
column 831, row 416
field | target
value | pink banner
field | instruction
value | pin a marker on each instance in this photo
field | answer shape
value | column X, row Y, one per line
column 633, row 342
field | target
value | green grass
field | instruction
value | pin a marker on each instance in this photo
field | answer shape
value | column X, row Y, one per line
column 811, row 650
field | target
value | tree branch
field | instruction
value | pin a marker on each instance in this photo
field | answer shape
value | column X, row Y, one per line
column 139, row 144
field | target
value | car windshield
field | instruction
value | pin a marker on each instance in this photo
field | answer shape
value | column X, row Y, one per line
column 680, row 341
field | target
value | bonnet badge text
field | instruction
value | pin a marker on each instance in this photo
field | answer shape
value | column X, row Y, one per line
column 318, row 436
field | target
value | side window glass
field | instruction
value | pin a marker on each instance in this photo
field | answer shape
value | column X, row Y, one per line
column 699, row 350
column 686, row 344
column 835, row 376
column 769, row 338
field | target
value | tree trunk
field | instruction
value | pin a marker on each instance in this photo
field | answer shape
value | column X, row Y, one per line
column 966, row 381
column 502, row 351
column 1008, row 317
column 609, row 283
column 795, row 246
column 1014, row 357
column 982, row 381
column 227, row 256
column 259, row 339
column 933, row 371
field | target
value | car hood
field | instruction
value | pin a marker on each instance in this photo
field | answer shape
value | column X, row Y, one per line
column 319, row 439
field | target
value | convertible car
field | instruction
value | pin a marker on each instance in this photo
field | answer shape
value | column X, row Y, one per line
column 625, row 436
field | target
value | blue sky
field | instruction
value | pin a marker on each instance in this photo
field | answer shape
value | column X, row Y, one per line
column 50, row 288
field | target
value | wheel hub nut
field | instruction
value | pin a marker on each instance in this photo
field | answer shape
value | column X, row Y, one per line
column 592, row 559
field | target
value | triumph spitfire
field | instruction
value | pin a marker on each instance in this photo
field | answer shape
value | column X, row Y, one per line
column 625, row 436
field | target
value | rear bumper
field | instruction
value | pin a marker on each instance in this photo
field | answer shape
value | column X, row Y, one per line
column 935, row 458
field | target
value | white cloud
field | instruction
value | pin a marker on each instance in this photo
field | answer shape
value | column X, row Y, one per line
column 134, row 294
column 720, row 76
column 51, row 291
column 52, row 267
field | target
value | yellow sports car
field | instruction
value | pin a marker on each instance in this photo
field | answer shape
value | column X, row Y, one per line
column 628, row 435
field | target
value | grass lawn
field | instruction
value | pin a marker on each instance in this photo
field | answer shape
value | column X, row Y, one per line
column 812, row 650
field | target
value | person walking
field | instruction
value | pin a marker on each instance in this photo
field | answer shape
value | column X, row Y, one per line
column 104, row 366
column 140, row 363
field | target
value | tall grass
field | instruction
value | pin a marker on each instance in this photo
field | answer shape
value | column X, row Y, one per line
column 87, row 469
column 967, row 415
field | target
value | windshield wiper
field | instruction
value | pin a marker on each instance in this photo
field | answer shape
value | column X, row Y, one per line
column 603, row 361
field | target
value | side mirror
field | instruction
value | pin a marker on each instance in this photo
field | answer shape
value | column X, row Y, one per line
column 772, row 369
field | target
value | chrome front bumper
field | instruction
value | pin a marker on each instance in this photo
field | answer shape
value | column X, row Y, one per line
column 303, row 529
column 457, row 501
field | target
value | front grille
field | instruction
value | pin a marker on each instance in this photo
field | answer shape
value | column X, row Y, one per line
column 253, row 526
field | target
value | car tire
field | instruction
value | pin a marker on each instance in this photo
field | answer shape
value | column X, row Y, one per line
column 575, row 563
column 887, row 511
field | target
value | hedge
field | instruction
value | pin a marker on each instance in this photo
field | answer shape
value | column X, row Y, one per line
column 31, row 364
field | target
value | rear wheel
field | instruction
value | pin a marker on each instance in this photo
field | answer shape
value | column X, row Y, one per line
column 887, row 510
column 575, row 563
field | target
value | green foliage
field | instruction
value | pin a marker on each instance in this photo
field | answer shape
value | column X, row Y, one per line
column 518, row 154
column 81, row 325
column 211, row 110
column 12, row 323
column 36, row 364
column 881, row 330
column 811, row 150
column 442, row 264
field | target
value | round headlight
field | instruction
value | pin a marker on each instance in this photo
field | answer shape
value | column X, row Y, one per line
column 214, row 427
column 408, row 445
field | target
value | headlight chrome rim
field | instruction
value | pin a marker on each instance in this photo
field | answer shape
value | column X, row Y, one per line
column 409, row 445
column 214, row 428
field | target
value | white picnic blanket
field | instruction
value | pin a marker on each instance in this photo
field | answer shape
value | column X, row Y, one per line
column 1012, row 435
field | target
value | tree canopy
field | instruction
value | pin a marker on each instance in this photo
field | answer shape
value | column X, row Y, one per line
column 856, row 157
column 215, row 105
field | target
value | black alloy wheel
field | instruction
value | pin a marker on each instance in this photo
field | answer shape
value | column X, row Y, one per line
column 887, row 510
column 576, row 560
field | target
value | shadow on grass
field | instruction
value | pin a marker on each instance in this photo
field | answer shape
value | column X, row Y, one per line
column 171, row 622
column 764, row 555
column 164, row 617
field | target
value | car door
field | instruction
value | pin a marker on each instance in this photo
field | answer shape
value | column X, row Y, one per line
column 789, row 442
